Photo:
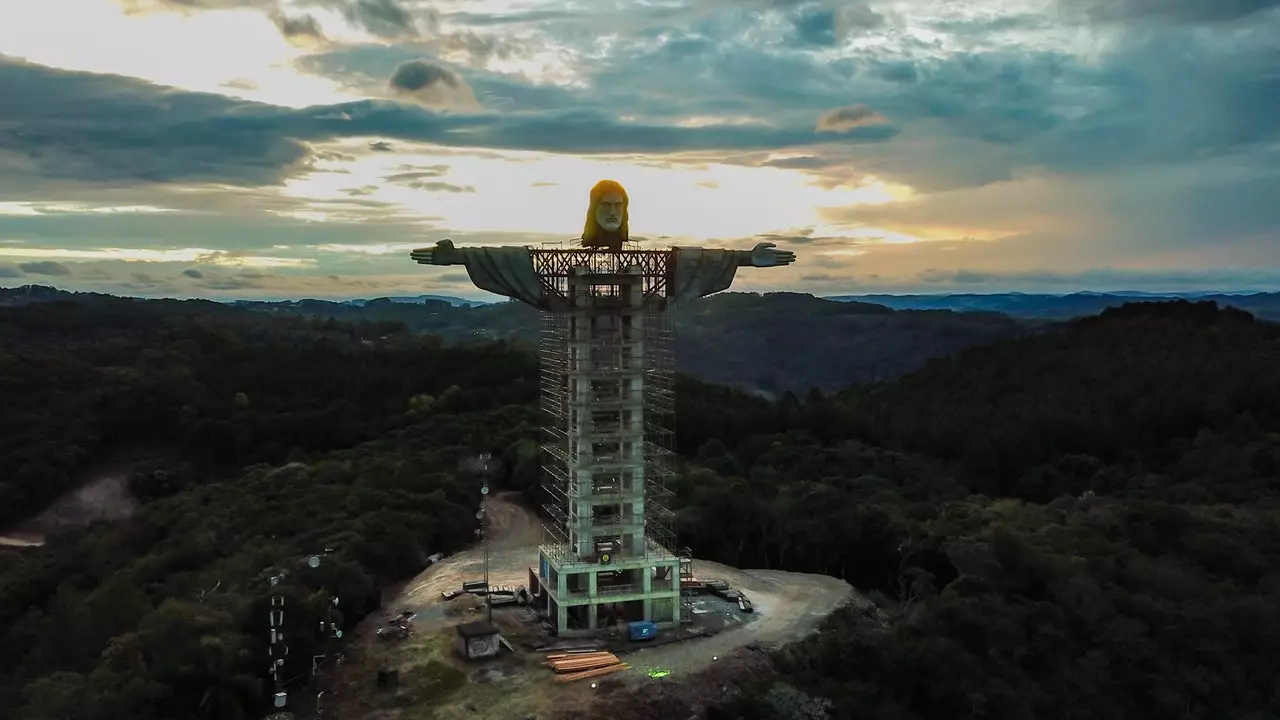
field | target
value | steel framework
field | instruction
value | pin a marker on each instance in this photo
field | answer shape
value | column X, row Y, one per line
column 606, row 270
column 608, row 411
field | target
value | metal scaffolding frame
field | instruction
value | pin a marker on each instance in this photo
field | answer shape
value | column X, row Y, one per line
column 605, row 275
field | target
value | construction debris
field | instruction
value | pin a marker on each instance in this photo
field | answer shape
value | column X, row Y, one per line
column 578, row 666
column 398, row 627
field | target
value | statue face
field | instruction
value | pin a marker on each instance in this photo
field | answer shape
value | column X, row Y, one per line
column 609, row 211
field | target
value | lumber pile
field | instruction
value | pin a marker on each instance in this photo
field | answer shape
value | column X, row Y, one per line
column 578, row 666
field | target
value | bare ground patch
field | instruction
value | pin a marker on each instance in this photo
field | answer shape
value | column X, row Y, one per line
column 788, row 607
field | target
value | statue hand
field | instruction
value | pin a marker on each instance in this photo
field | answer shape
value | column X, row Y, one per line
column 765, row 255
column 444, row 253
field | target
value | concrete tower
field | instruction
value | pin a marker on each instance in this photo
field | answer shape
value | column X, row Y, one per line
column 607, row 403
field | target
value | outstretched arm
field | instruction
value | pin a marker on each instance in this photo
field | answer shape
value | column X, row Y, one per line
column 444, row 253
column 765, row 255
column 702, row 271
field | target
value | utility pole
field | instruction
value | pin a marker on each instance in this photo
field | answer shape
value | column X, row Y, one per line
column 321, row 670
column 276, row 649
column 483, row 516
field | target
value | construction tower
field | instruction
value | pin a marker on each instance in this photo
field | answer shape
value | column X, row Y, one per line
column 607, row 401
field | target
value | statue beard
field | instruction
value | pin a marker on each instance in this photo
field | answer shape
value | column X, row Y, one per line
column 608, row 224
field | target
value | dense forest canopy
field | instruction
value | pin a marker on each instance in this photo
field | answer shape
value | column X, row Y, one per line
column 1078, row 523
column 744, row 340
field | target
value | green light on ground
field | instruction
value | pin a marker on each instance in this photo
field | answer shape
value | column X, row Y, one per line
column 658, row 673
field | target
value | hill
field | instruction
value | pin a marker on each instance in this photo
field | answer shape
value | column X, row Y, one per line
column 1119, row 387
column 744, row 340
column 1061, row 307
column 1082, row 521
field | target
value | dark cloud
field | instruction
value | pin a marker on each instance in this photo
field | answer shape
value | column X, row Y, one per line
column 441, row 187
column 819, row 26
column 816, row 27
column 897, row 71
column 238, row 281
column 9, row 271
column 802, row 237
column 193, row 273
column 385, row 18
column 849, row 118
column 44, row 267
column 429, row 171
column 429, row 84
column 1101, row 279
column 1169, row 11
column 380, row 146
column 802, row 162
column 298, row 28
column 105, row 128
column 481, row 48
column 516, row 18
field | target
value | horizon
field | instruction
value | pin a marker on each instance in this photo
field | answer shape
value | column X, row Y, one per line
column 484, row 298
column 898, row 147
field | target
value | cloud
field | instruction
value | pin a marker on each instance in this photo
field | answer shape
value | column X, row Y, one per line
column 299, row 29
column 848, row 118
column 430, row 85
column 828, row 27
column 9, row 271
column 1189, row 12
column 193, row 273
column 430, row 171
column 441, row 187
column 44, row 268
column 104, row 128
column 239, row 84
column 387, row 19
column 145, row 133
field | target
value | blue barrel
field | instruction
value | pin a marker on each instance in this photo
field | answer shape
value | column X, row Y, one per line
column 642, row 630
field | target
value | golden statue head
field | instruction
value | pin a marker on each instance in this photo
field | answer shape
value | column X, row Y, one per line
column 606, row 217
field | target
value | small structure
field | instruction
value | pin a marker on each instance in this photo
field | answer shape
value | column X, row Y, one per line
column 478, row 640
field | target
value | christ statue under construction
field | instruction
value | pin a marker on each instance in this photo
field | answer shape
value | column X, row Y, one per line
column 607, row 401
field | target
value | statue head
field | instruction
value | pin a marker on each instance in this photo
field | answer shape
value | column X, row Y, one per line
column 607, row 213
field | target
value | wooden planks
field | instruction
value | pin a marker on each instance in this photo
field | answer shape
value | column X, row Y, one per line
column 576, row 666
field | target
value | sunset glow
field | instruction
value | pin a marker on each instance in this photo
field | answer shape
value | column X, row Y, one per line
column 892, row 145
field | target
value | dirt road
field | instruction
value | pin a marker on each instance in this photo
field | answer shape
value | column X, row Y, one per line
column 103, row 498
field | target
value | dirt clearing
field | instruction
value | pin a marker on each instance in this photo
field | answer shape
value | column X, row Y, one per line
column 788, row 605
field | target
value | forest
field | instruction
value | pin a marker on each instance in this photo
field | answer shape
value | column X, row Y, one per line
column 1076, row 522
column 744, row 340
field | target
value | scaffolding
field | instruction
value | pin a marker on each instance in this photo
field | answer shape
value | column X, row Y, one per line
column 608, row 410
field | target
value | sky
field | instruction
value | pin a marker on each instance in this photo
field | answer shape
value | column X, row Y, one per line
column 269, row 149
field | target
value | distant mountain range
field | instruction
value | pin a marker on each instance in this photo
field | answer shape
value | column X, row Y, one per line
column 406, row 300
column 767, row 343
column 1057, row 307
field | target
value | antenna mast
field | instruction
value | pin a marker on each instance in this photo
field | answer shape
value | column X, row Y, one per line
column 483, row 516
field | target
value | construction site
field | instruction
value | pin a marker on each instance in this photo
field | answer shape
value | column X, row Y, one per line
column 592, row 593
